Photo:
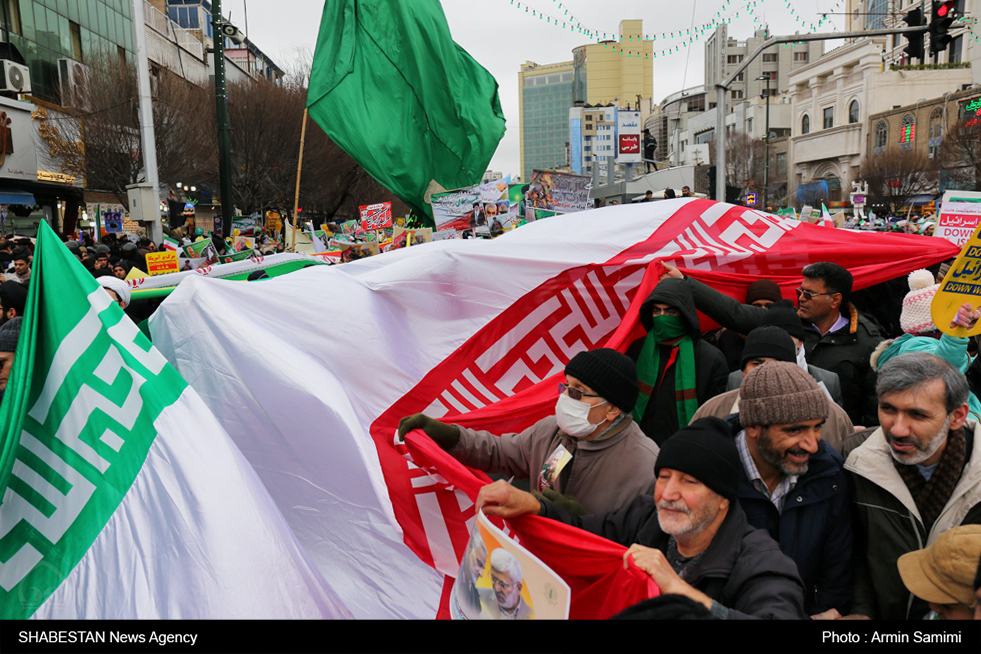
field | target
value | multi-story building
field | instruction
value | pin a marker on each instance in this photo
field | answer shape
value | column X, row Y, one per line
column 194, row 16
column 723, row 55
column 46, row 47
column 544, row 98
column 618, row 73
column 832, row 99
column 884, row 14
column 591, row 132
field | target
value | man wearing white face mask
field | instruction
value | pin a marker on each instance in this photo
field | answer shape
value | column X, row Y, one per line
column 590, row 449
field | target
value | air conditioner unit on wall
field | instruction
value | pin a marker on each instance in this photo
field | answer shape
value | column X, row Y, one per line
column 16, row 77
column 73, row 77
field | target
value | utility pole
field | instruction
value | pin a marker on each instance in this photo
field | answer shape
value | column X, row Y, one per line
column 147, row 139
column 766, row 137
column 221, row 109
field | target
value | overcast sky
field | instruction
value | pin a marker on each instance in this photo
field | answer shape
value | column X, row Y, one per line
column 502, row 37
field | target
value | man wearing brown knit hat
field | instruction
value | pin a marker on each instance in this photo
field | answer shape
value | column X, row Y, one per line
column 793, row 484
column 590, row 456
column 771, row 343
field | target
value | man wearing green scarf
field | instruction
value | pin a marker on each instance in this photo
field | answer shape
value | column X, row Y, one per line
column 677, row 371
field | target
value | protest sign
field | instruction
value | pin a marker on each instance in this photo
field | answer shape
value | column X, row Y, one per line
column 235, row 256
column 499, row 579
column 960, row 213
column 161, row 263
column 558, row 192
column 961, row 285
column 406, row 237
column 203, row 249
column 458, row 209
column 113, row 222
column 242, row 243
column 245, row 225
column 355, row 251
column 376, row 216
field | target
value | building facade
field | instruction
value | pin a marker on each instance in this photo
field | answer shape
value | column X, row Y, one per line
column 723, row 55
column 544, row 98
column 832, row 100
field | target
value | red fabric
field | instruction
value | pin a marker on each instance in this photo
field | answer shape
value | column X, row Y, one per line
column 591, row 565
column 724, row 246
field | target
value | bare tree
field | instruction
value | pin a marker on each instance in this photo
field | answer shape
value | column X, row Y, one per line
column 99, row 134
column 895, row 177
column 960, row 154
column 266, row 121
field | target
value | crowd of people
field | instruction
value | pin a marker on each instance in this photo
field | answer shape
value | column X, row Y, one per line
column 803, row 462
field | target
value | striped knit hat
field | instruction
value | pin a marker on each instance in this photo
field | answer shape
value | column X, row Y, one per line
column 916, row 318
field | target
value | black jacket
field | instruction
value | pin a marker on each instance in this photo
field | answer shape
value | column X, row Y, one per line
column 660, row 419
column 815, row 528
column 743, row 568
column 845, row 352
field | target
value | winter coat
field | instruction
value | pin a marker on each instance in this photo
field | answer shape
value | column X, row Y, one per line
column 888, row 524
column 815, row 528
column 845, row 351
column 711, row 371
column 602, row 475
column 950, row 348
column 743, row 568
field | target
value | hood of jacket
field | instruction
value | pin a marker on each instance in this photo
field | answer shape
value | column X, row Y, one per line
column 677, row 293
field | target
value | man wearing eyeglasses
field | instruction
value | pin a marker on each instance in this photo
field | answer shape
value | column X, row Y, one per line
column 589, row 456
column 836, row 336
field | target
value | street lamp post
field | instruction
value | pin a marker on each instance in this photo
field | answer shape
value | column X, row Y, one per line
column 766, row 137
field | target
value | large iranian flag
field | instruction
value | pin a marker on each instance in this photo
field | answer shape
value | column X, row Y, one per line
column 310, row 372
column 122, row 495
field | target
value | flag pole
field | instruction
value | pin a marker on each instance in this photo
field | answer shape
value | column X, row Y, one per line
column 299, row 166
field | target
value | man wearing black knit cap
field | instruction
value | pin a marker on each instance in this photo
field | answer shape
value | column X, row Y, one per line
column 590, row 452
column 13, row 298
column 772, row 343
column 691, row 536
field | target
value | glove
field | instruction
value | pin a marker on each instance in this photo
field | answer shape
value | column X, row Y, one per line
column 567, row 503
column 446, row 436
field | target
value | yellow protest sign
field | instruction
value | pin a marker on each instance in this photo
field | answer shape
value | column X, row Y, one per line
column 961, row 285
column 135, row 273
column 161, row 263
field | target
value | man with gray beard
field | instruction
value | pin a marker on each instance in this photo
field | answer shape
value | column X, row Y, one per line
column 915, row 477
column 691, row 536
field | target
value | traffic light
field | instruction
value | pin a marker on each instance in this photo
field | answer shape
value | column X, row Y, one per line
column 914, row 18
column 711, row 182
column 940, row 22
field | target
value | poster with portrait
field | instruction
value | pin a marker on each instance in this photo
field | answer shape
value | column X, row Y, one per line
column 458, row 209
column 500, row 580
column 355, row 251
column 203, row 249
column 408, row 237
column 558, row 192
column 113, row 222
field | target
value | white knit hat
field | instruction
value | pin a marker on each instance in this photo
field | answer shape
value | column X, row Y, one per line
column 916, row 318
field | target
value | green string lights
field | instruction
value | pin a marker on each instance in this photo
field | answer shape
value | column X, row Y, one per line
column 724, row 16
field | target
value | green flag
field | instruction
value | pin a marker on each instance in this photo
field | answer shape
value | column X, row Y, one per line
column 393, row 90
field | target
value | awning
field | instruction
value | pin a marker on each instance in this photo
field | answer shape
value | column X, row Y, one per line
column 918, row 200
column 16, row 197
